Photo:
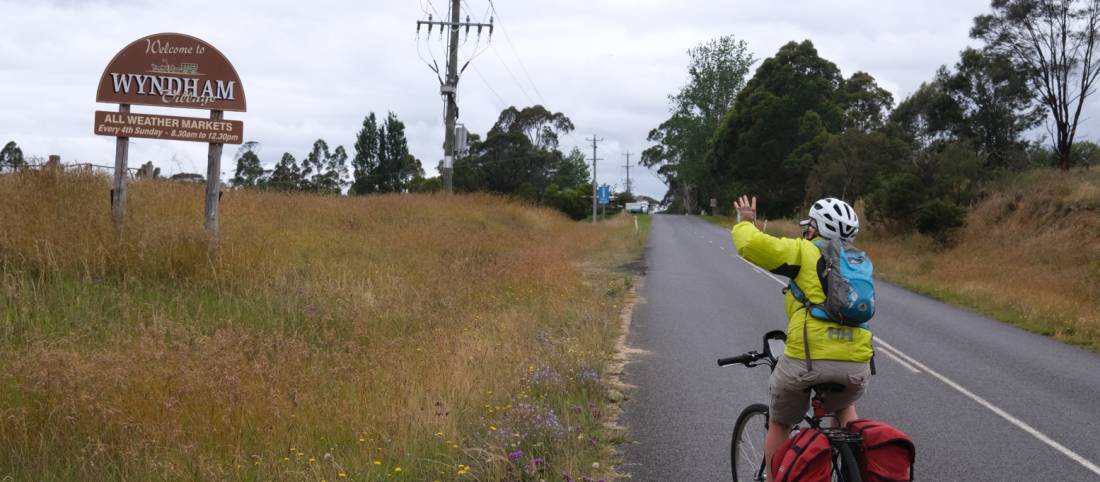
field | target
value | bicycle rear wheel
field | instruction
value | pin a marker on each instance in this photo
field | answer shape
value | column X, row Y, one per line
column 747, row 447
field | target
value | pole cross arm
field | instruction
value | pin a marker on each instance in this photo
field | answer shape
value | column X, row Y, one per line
column 430, row 23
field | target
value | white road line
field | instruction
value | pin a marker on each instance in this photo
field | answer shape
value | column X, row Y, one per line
column 981, row 401
column 997, row 410
column 761, row 271
column 882, row 348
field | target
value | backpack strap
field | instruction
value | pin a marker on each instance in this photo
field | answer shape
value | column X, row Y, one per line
column 801, row 297
column 873, row 371
column 806, row 340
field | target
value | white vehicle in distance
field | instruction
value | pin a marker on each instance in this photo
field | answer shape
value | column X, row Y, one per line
column 637, row 207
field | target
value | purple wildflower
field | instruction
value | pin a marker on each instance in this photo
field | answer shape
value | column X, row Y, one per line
column 547, row 376
column 536, row 464
column 588, row 375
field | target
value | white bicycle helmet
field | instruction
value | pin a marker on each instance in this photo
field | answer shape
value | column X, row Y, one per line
column 834, row 219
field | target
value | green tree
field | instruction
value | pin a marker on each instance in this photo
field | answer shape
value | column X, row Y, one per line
column 312, row 165
column 930, row 116
column 324, row 171
column 250, row 171
column 717, row 70
column 1053, row 43
column 396, row 166
column 853, row 163
column 540, row 126
column 983, row 101
column 1086, row 153
column 365, row 161
column 11, row 156
column 286, row 176
column 866, row 105
column 332, row 177
column 779, row 124
column 421, row 184
column 519, row 156
column 575, row 202
column 382, row 159
column 995, row 105
column 572, row 171
column 930, row 192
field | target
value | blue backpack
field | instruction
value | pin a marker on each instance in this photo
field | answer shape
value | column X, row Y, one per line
column 848, row 283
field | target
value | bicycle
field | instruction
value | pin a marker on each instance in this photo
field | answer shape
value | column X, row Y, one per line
column 747, row 459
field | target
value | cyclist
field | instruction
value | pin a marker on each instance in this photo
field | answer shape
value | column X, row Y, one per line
column 837, row 354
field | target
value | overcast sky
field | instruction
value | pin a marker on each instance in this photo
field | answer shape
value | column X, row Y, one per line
column 314, row 69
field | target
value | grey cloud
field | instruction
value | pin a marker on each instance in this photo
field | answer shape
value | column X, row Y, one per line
column 314, row 69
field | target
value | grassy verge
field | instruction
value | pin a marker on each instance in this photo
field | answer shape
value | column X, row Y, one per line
column 415, row 337
column 1029, row 255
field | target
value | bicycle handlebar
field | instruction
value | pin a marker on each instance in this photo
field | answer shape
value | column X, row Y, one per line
column 744, row 359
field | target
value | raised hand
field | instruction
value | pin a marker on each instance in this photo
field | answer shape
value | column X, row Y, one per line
column 746, row 209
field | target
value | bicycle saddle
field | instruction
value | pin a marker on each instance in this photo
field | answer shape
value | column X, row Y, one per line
column 827, row 387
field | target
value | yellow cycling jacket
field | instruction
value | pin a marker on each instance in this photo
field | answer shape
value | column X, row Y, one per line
column 798, row 259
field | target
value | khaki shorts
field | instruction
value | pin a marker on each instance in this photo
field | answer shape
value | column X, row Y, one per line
column 788, row 399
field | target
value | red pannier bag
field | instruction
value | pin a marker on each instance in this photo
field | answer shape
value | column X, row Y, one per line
column 888, row 453
column 805, row 457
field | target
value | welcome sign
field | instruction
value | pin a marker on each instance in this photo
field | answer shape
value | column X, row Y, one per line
column 172, row 70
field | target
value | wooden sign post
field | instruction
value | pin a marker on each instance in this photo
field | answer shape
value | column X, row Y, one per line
column 213, row 183
column 171, row 70
column 118, row 194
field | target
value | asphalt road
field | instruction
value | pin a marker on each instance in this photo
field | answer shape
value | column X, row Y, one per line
column 982, row 400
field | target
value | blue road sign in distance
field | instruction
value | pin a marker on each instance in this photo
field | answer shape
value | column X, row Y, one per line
column 604, row 194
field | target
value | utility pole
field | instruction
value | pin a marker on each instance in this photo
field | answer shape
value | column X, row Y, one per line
column 594, row 140
column 449, row 87
column 627, row 166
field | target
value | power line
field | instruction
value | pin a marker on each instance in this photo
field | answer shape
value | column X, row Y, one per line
column 513, row 76
column 430, row 6
column 503, row 105
column 512, row 46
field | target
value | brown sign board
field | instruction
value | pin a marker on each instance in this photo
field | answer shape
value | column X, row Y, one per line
column 148, row 126
column 172, row 70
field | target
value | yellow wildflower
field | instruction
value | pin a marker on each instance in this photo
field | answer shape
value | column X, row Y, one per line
column 493, row 428
column 377, row 462
column 397, row 469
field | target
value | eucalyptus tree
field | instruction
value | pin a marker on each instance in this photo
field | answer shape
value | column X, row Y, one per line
column 1054, row 44
column 717, row 71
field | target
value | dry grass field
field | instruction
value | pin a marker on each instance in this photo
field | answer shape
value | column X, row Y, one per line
column 1029, row 255
column 327, row 338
